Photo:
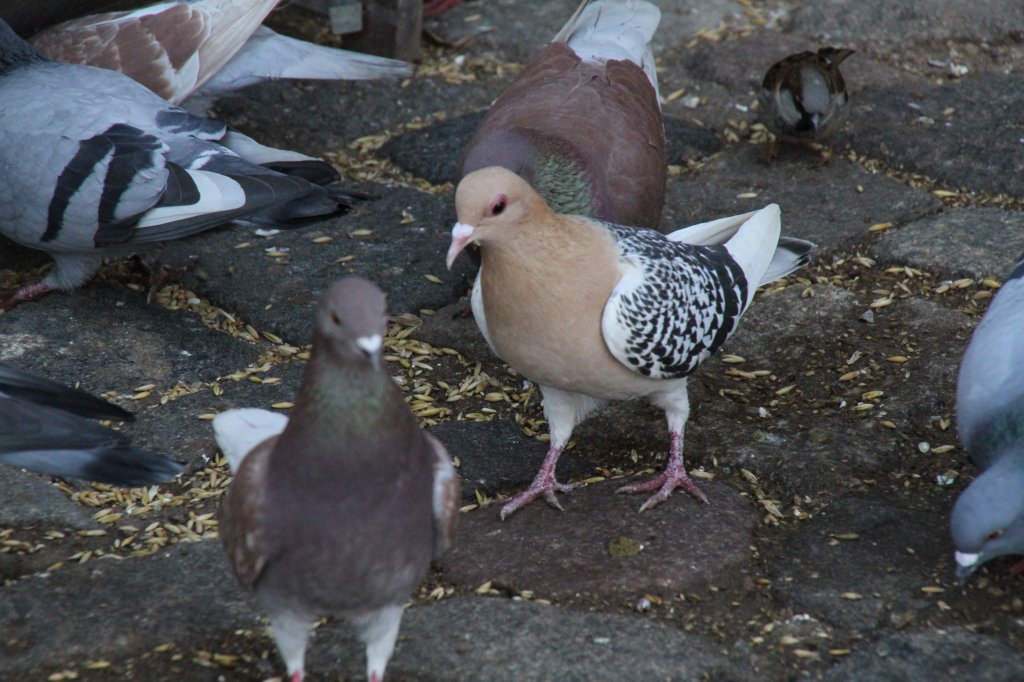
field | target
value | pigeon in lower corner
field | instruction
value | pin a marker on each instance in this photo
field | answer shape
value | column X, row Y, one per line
column 594, row 312
column 93, row 163
column 45, row 427
column 339, row 509
column 988, row 518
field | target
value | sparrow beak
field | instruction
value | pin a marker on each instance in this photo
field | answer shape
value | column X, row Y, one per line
column 462, row 234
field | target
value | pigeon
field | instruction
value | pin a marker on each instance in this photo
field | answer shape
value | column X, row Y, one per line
column 339, row 509
column 45, row 427
column 639, row 317
column 582, row 123
column 94, row 163
column 988, row 517
column 803, row 97
column 194, row 51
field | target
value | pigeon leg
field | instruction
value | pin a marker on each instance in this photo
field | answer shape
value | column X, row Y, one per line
column 544, row 483
column 156, row 275
column 11, row 298
column 674, row 476
column 291, row 633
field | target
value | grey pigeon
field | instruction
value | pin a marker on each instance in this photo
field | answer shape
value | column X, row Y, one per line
column 642, row 314
column 988, row 518
column 803, row 97
column 197, row 50
column 45, row 427
column 94, row 163
column 581, row 123
column 339, row 509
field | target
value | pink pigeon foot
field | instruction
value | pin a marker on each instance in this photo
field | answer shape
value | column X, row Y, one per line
column 296, row 676
column 544, row 483
column 1017, row 568
column 11, row 298
column 674, row 476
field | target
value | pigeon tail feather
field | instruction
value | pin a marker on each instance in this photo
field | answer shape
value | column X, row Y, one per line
column 24, row 386
column 240, row 430
column 602, row 30
column 269, row 55
column 790, row 255
column 754, row 244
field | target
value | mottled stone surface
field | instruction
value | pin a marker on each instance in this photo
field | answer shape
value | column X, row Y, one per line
column 599, row 547
column 976, row 242
column 824, row 432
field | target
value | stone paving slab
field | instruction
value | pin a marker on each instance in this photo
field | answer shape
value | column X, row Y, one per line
column 940, row 131
column 977, row 242
column 397, row 239
column 894, row 549
column 831, row 204
column 120, row 608
column 601, row 547
column 935, row 654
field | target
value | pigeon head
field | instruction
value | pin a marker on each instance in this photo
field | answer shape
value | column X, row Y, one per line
column 988, row 518
column 351, row 321
column 489, row 203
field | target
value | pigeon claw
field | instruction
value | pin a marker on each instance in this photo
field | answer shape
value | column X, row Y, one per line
column 543, row 487
column 665, row 483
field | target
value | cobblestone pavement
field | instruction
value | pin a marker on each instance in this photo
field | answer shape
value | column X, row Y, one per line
column 823, row 434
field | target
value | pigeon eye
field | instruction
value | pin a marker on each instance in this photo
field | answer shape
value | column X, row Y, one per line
column 498, row 207
column 335, row 319
column 996, row 534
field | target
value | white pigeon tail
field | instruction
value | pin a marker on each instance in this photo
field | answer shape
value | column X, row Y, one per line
column 988, row 518
column 790, row 254
column 600, row 31
column 239, row 431
column 194, row 51
column 643, row 314
column 271, row 56
column 172, row 48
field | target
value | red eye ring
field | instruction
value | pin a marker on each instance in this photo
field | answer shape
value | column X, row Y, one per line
column 498, row 205
column 996, row 534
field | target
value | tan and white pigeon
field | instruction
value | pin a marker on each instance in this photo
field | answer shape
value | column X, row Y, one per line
column 581, row 123
column 339, row 509
column 197, row 50
column 593, row 311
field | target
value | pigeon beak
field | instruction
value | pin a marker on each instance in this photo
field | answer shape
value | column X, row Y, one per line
column 371, row 345
column 966, row 564
column 461, row 235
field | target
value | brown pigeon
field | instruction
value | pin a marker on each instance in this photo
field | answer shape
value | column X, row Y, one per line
column 582, row 123
column 640, row 315
column 339, row 509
